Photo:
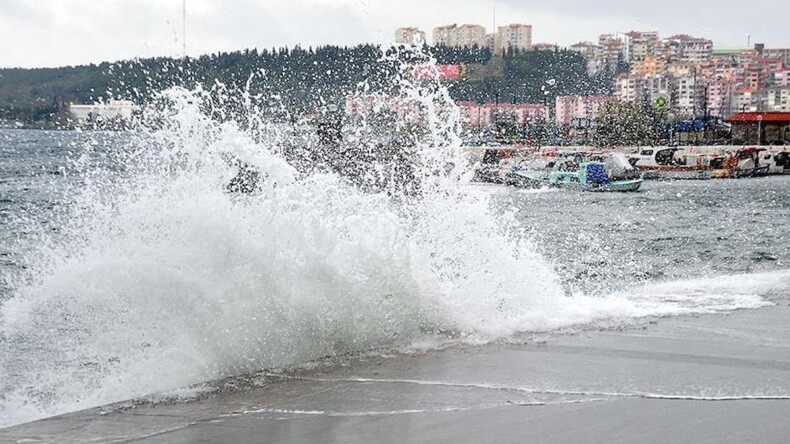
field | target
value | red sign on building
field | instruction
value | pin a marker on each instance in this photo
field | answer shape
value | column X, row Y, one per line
column 441, row 72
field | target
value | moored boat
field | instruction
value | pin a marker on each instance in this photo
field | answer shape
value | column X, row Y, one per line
column 590, row 176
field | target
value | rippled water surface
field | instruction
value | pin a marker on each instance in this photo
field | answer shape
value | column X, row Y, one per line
column 150, row 276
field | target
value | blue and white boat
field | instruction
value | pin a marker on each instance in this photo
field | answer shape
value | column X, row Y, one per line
column 590, row 176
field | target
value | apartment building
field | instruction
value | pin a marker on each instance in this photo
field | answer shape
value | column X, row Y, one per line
column 686, row 99
column 783, row 53
column 611, row 51
column 745, row 100
column 686, row 49
column 628, row 87
column 460, row 36
column 775, row 99
column 638, row 45
column 516, row 36
column 579, row 108
column 592, row 54
column 409, row 36
column 485, row 115
column 718, row 97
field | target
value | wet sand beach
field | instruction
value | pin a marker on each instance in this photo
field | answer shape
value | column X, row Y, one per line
column 713, row 378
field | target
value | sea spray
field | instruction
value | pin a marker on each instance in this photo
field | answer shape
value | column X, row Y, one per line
column 163, row 278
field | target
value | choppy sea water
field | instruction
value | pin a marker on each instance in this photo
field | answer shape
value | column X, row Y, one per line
column 127, row 268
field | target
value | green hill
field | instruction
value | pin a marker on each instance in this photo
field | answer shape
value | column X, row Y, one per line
column 303, row 79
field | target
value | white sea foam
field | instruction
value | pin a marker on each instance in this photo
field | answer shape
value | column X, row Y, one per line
column 164, row 279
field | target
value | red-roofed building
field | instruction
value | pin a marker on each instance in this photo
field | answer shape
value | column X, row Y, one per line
column 773, row 127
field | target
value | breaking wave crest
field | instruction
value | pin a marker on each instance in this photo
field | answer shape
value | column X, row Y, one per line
column 163, row 278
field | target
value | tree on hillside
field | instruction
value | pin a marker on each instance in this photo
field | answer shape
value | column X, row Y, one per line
column 624, row 123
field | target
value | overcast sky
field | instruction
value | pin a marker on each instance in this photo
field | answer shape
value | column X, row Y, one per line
column 39, row 33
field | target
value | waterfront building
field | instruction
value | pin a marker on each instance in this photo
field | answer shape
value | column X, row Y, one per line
column 405, row 109
column 111, row 110
column 440, row 72
column 760, row 127
column 722, row 67
column 409, row 36
column 475, row 115
column 659, row 86
column 570, row 109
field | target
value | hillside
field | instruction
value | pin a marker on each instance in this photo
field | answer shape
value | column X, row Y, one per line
column 303, row 79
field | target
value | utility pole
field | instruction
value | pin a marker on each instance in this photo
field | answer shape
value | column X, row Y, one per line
column 493, row 26
column 759, row 129
column 493, row 32
column 496, row 111
column 184, row 29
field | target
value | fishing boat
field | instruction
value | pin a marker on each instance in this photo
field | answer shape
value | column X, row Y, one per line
column 496, row 165
column 590, row 176
column 778, row 160
column 705, row 162
column 745, row 162
column 671, row 163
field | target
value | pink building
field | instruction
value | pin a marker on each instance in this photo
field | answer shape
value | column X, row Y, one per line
column 475, row 115
column 406, row 110
column 760, row 71
column 570, row 108
column 719, row 97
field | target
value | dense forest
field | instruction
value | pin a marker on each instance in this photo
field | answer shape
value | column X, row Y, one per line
column 301, row 79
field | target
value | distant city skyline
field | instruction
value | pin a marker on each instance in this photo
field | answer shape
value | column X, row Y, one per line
column 51, row 33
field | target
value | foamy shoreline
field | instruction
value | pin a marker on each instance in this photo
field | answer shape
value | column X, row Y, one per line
column 685, row 379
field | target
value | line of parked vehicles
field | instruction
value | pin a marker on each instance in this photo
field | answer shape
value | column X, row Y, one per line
column 623, row 169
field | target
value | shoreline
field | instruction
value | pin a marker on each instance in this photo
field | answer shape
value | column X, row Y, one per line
column 717, row 378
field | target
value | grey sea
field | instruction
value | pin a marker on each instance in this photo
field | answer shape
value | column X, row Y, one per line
column 667, row 319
